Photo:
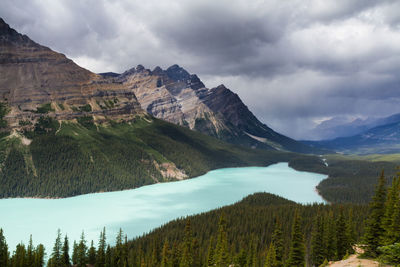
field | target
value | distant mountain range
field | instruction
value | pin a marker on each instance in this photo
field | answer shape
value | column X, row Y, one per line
column 372, row 136
column 344, row 127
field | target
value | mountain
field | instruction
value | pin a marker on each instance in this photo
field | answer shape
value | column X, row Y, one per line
column 34, row 75
column 179, row 97
column 383, row 139
column 67, row 131
column 343, row 126
column 339, row 127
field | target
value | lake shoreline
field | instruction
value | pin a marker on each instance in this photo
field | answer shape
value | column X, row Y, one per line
column 140, row 210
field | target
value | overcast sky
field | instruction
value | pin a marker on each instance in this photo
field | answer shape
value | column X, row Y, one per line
column 294, row 63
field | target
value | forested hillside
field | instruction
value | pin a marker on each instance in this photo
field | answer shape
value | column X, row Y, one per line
column 72, row 158
column 352, row 181
column 261, row 228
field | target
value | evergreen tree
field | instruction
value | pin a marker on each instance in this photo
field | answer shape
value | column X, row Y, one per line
column 394, row 230
column 195, row 253
column 65, row 259
column 154, row 255
column 297, row 248
column 210, row 253
column 81, row 259
column 330, row 236
column 391, row 200
column 221, row 249
column 271, row 256
column 373, row 231
column 165, row 258
column 254, row 254
column 39, row 256
column 342, row 243
column 175, row 254
column 277, row 240
column 108, row 257
column 91, row 254
column 4, row 254
column 119, row 249
column 101, row 251
column 19, row 256
column 389, row 221
column 30, row 253
column 250, row 252
column 240, row 259
column 75, row 253
column 132, row 259
column 317, row 241
column 351, row 231
column 56, row 254
column 187, row 256
column 126, row 252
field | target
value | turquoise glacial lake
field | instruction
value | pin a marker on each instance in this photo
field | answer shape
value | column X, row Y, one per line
column 140, row 210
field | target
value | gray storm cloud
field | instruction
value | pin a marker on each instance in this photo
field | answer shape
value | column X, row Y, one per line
column 294, row 63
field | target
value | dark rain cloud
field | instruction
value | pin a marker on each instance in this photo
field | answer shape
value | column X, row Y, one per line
column 294, row 63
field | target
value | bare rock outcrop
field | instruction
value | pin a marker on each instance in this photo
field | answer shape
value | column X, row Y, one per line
column 32, row 75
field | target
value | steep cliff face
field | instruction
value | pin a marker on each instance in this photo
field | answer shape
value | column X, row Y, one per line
column 172, row 95
column 35, row 80
column 179, row 97
column 33, row 75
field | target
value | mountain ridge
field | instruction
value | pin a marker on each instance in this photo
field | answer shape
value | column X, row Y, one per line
column 338, row 127
column 67, row 131
column 382, row 139
column 35, row 76
column 179, row 97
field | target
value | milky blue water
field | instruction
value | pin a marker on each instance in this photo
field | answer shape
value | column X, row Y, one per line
column 140, row 210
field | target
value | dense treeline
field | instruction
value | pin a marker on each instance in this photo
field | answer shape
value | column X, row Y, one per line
column 70, row 158
column 23, row 256
column 261, row 230
column 382, row 235
column 353, row 180
column 76, row 158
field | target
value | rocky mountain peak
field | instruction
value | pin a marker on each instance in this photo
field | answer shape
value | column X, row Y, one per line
column 221, row 87
column 157, row 71
column 10, row 36
column 33, row 75
column 195, row 82
column 139, row 68
column 177, row 73
column 3, row 24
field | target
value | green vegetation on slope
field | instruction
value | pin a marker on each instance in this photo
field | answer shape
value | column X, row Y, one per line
column 353, row 180
column 260, row 229
column 382, row 230
column 251, row 226
column 66, row 159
